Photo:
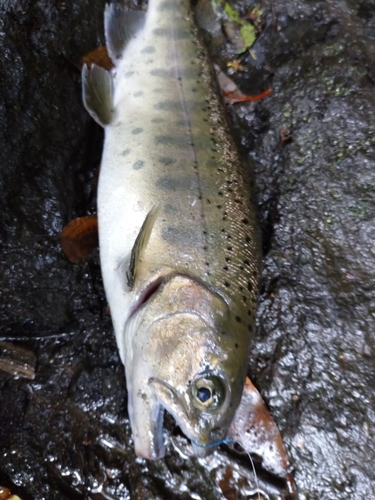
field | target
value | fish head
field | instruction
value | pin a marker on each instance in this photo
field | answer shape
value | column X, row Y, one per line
column 182, row 359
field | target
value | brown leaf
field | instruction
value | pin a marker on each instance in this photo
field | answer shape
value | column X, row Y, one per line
column 6, row 494
column 98, row 56
column 79, row 238
column 255, row 431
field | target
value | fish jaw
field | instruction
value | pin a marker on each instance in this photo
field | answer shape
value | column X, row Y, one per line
column 146, row 419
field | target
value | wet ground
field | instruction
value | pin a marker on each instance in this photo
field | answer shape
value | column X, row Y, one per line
column 65, row 433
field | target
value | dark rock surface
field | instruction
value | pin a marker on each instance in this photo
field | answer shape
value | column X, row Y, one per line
column 65, row 434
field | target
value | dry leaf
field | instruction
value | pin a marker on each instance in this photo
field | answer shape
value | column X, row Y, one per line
column 255, row 431
column 98, row 56
column 79, row 238
column 5, row 494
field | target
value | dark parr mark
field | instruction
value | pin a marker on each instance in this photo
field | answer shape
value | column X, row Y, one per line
column 166, row 160
column 167, row 105
column 169, row 184
column 125, row 152
column 165, row 5
column 177, row 236
column 161, row 72
column 179, row 34
column 148, row 50
column 138, row 164
column 137, row 130
column 168, row 140
column 138, row 94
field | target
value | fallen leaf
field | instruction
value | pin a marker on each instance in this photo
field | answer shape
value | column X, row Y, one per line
column 255, row 431
column 98, row 56
column 79, row 238
column 5, row 494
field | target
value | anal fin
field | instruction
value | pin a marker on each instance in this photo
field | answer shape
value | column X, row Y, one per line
column 141, row 243
column 120, row 25
column 97, row 93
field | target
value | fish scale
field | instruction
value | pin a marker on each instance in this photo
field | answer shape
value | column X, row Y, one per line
column 176, row 216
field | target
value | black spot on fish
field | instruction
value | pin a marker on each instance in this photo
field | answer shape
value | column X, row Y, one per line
column 248, row 239
column 246, row 262
column 148, row 50
column 125, row 152
column 250, row 328
column 225, row 268
column 137, row 131
column 245, row 221
column 138, row 164
column 227, row 284
column 138, row 94
column 249, row 313
column 166, row 160
column 238, row 319
column 236, row 345
column 249, row 286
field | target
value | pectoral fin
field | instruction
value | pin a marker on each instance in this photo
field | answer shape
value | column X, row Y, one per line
column 255, row 431
column 141, row 243
column 120, row 25
column 97, row 93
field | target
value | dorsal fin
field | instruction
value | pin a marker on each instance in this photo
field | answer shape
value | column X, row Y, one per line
column 97, row 93
column 120, row 25
column 141, row 243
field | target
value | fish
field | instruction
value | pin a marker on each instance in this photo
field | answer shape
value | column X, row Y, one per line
column 179, row 241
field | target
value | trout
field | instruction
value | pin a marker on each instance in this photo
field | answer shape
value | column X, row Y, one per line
column 179, row 244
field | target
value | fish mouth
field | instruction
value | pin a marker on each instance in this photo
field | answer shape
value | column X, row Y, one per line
column 165, row 392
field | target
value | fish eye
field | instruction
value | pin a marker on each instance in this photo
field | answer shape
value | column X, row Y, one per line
column 204, row 394
column 208, row 393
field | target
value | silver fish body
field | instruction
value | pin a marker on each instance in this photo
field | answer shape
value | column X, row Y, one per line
column 179, row 246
